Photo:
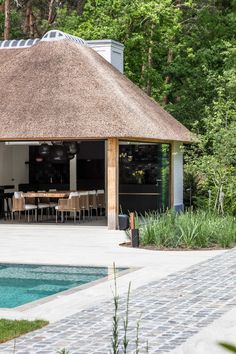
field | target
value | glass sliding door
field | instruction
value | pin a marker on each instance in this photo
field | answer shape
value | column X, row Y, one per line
column 144, row 176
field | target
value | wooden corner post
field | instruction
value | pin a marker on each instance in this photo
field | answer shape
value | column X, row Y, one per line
column 112, row 182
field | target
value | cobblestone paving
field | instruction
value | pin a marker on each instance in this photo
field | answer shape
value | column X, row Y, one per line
column 173, row 309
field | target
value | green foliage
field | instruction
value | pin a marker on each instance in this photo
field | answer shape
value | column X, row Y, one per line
column 212, row 161
column 157, row 229
column 229, row 347
column 188, row 230
column 10, row 329
column 145, row 27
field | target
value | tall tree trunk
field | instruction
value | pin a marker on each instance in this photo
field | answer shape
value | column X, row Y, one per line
column 149, row 64
column 7, row 23
column 2, row 7
column 168, row 77
column 30, row 28
column 148, row 87
column 51, row 11
column 80, row 7
column 27, row 18
column 32, row 20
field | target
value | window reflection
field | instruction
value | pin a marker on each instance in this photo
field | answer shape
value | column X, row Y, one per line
column 144, row 175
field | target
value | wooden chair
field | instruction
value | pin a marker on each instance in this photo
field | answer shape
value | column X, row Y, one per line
column 18, row 205
column 7, row 204
column 69, row 205
column 52, row 202
column 93, row 203
column 101, row 200
column 84, row 203
column 43, row 204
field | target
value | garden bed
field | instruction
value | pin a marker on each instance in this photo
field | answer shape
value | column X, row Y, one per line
column 185, row 231
column 156, row 248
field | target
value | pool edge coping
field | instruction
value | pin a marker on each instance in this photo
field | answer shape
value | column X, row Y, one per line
column 33, row 304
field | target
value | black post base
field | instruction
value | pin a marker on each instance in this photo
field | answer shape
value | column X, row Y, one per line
column 135, row 238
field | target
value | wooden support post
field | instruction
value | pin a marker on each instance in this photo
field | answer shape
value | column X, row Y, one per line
column 132, row 221
column 112, row 182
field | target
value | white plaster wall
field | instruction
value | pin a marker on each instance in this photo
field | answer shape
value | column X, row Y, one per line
column 13, row 169
column 73, row 173
column 177, row 174
column 117, row 57
column 20, row 155
column 110, row 50
column 5, row 164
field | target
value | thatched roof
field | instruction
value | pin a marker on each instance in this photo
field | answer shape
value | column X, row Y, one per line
column 65, row 90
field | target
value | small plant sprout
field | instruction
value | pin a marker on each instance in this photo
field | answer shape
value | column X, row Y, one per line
column 120, row 345
column 115, row 319
column 126, row 322
column 230, row 347
column 221, row 202
column 137, row 336
column 209, row 199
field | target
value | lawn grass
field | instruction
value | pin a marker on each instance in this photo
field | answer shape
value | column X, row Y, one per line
column 10, row 329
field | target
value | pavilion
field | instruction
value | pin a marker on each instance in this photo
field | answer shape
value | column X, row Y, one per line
column 63, row 89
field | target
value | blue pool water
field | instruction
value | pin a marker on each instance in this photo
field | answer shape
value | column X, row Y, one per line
column 21, row 283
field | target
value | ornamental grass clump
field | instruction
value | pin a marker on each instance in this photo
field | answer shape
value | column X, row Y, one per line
column 158, row 229
column 187, row 230
column 200, row 229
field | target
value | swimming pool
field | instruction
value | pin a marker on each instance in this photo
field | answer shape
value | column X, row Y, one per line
column 21, row 283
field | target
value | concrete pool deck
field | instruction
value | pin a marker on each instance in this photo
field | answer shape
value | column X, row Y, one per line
column 87, row 245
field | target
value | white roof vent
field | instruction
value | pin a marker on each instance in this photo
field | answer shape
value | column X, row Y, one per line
column 56, row 35
column 53, row 35
column 22, row 43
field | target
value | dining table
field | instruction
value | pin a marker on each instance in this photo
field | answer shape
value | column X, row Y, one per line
column 56, row 194
column 43, row 194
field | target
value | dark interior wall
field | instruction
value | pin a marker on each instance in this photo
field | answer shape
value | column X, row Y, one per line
column 45, row 174
column 91, row 165
column 45, row 171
